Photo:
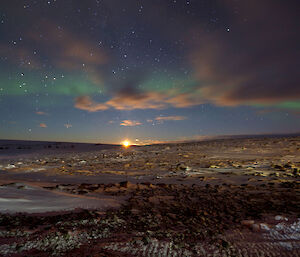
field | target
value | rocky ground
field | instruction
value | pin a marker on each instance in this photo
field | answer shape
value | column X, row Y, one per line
column 233, row 197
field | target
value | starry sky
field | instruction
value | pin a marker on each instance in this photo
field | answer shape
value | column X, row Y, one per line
column 148, row 70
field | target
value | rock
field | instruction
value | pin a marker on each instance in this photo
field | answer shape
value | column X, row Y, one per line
column 163, row 185
column 127, row 184
column 124, row 184
column 181, row 166
column 278, row 167
column 225, row 244
column 264, row 226
column 172, row 215
column 236, row 165
column 135, row 211
column 188, row 168
column 154, row 200
column 146, row 240
column 296, row 171
column 10, row 166
column 255, row 227
column 278, row 217
column 82, row 192
column 247, row 222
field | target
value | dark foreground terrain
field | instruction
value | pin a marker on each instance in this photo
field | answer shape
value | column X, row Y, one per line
column 233, row 197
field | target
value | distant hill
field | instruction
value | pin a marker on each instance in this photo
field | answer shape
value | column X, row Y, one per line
column 17, row 148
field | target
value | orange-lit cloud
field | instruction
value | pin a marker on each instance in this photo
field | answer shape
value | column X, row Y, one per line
column 149, row 100
column 154, row 100
column 140, row 100
column 130, row 123
column 41, row 113
column 87, row 104
column 163, row 118
column 43, row 125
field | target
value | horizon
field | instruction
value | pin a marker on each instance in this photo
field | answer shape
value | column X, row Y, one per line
column 106, row 71
column 199, row 139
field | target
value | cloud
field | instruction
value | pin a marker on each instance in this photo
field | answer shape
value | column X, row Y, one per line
column 87, row 104
column 132, row 99
column 148, row 100
column 20, row 55
column 61, row 47
column 174, row 118
column 255, row 62
column 250, row 61
column 150, row 142
column 278, row 110
column 64, row 49
column 43, row 125
column 130, row 123
column 41, row 113
column 67, row 125
column 68, row 50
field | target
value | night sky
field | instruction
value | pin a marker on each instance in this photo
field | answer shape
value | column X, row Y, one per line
column 148, row 70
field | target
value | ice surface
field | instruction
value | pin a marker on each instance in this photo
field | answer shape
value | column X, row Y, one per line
column 19, row 197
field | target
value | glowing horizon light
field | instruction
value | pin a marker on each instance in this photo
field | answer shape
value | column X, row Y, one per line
column 126, row 143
